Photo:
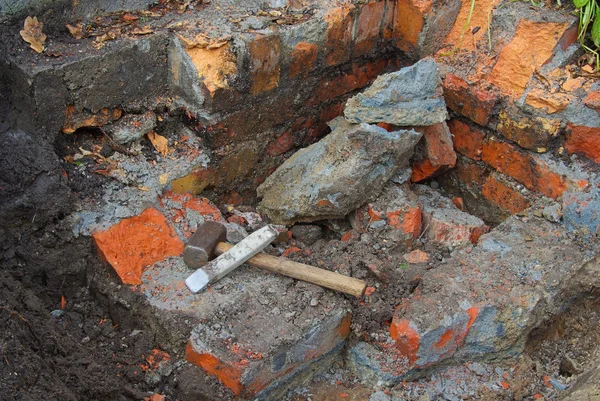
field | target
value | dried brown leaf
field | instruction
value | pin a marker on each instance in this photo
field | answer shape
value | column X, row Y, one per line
column 32, row 34
column 160, row 143
column 76, row 30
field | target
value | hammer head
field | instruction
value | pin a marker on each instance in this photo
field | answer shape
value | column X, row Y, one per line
column 200, row 249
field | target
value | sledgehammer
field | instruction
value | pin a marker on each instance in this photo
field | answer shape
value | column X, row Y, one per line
column 209, row 240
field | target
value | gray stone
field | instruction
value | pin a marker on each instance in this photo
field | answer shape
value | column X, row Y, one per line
column 132, row 127
column 375, row 367
column 254, row 23
column 409, row 97
column 581, row 212
column 307, row 234
column 553, row 212
column 334, row 176
column 379, row 396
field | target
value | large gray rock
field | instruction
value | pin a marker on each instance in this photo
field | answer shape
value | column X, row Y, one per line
column 409, row 97
column 336, row 175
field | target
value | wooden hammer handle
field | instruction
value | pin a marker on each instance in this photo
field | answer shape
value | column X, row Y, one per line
column 300, row 271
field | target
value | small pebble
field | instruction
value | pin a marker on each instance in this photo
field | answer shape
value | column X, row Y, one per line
column 85, row 340
column 314, row 302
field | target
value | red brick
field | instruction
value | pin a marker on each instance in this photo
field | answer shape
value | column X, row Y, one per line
column 533, row 133
column 505, row 158
column 368, row 27
column 527, row 169
column 469, row 101
column 408, row 220
column 409, row 22
column 282, row 144
column 137, row 242
column 503, row 196
column 584, row 140
column 303, row 59
column 449, row 233
column 264, row 63
column 548, row 182
column 338, row 40
column 407, row 339
column 467, row 140
column 358, row 77
column 438, row 145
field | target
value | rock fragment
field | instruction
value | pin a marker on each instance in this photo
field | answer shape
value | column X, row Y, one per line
column 336, row 175
column 411, row 96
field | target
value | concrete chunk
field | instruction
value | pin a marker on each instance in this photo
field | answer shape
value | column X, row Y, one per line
column 409, row 97
column 336, row 175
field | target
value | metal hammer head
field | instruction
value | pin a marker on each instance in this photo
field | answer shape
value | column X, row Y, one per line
column 200, row 249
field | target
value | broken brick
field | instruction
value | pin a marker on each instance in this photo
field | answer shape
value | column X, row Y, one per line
column 504, row 196
column 247, row 372
column 444, row 223
column 470, row 101
column 438, row 145
column 467, row 140
column 533, row 133
column 137, row 242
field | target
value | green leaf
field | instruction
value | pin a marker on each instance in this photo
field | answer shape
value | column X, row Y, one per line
column 596, row 31
column 580, row 3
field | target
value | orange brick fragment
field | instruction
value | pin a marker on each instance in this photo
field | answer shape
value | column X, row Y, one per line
column 137, row 242
column 407, row 339
column 229, row 375
column 416, row 256
column 463, row 38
